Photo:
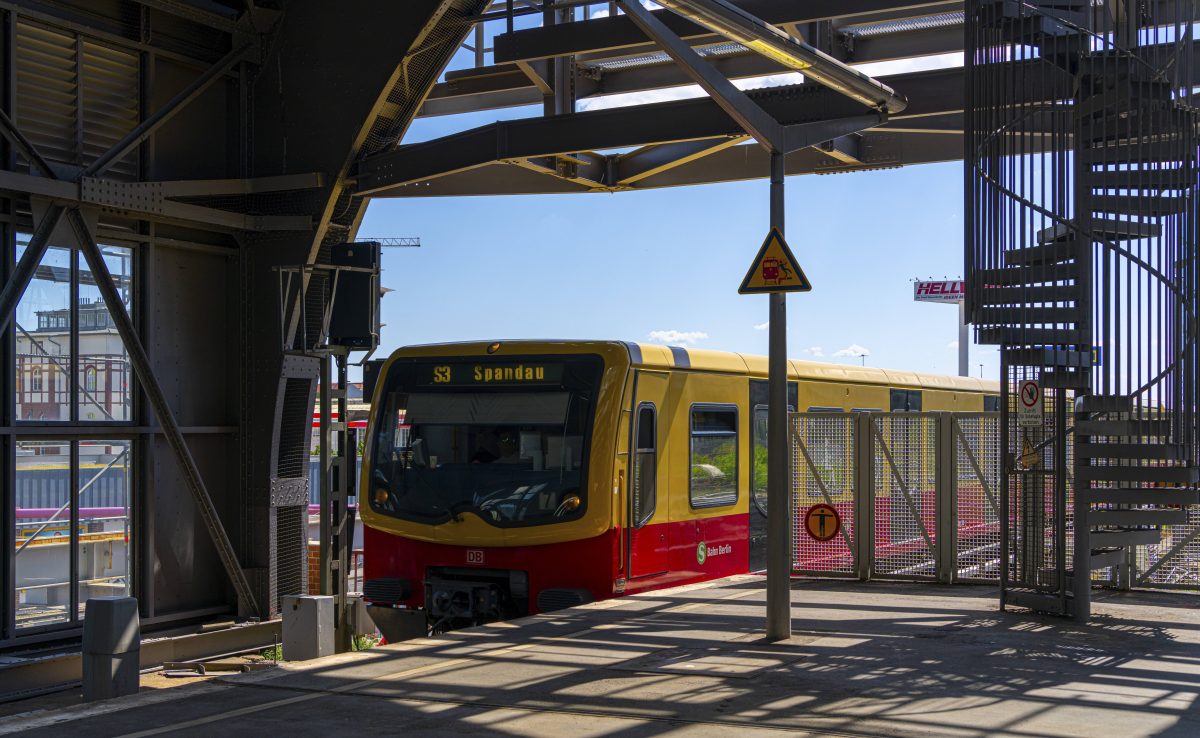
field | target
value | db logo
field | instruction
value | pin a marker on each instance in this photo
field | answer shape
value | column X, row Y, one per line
column 474, row 556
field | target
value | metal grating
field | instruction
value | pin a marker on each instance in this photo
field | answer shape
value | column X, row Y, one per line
column 905, row 477
column 291, row 542
column 976, row 500
column 1175, row 562
column 75, row 98
column 295, row 428
column 823, row 470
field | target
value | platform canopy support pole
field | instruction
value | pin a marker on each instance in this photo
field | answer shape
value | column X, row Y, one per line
column 779, row 502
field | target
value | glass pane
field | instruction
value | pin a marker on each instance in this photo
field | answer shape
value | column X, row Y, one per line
column 43, row 332
column 43, row 533
column 104, row 521
column 644, row 482
column 758, row 473
column 104, row 372
column 714, row 421
column 714, row 470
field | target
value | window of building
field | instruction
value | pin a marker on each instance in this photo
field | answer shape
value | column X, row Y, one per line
column 72, row 505
column 645, row 465
column 63, row 326
column 714, row 456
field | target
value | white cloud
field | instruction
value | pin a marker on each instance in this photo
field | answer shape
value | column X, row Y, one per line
column 762, row 326
column 815, row 351
column 952, row 345
column 853, row 350
column 680, row 337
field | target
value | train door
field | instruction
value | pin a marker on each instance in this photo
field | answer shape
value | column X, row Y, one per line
column 758, row 470
column 646, row 511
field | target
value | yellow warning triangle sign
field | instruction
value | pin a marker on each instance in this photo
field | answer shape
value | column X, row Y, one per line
column 774, row 269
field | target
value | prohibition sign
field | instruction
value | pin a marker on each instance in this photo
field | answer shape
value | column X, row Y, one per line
column 822, row 522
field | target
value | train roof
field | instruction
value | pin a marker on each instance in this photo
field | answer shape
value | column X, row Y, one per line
column 656, row 356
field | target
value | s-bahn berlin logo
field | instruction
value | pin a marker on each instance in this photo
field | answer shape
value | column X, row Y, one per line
column 822, row 522
column 701, row 553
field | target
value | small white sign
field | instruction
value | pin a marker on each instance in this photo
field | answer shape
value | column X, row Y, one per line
column 1029, row 404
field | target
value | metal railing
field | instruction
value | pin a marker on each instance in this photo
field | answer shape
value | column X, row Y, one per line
column 916, row 492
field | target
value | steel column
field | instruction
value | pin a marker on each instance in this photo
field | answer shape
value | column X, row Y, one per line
column 166, row 418
column 324, row 494
column 779, row 499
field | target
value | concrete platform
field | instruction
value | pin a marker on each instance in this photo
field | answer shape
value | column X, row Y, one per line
column 867, row 660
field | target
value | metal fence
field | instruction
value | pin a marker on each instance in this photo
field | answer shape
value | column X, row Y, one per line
column 916, row 493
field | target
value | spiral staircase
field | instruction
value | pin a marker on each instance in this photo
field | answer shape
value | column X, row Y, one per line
column 1081, row 248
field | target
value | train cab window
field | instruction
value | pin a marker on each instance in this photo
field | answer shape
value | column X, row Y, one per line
column 906, row 401
column 991, row 403
column 645, row 466
column 714, row 456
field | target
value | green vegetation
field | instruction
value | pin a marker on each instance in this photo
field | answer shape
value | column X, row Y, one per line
column 274, row 653
column 364, row 642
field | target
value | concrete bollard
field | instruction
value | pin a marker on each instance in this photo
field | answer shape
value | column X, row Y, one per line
column 307, row 626
column 112, row 641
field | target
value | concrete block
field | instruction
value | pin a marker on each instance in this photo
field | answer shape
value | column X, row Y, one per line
column 307, row 627
column 111, row 625
column 106, row 676
column 112, row 642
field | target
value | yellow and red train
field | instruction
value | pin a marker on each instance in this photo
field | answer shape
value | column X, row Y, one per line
column 516, row 477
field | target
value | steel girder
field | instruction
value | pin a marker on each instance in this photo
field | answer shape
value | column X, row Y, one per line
column 407, row 171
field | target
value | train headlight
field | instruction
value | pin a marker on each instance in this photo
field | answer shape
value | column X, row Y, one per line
column 493, row 348
column 381, row 496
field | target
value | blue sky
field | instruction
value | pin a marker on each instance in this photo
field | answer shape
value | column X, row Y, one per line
column 665, row 264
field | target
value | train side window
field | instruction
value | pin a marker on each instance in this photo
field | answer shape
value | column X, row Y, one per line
column 645, row 466
column 816, row 409
column 991, row 403
column 714, row 456
column 906, row 401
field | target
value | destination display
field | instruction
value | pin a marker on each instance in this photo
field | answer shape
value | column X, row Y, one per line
column 491, row 374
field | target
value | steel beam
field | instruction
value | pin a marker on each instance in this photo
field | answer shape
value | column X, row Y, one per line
column 145, row 200
column 500, row 86
column 162, row 410
column 752, row 118
column 195, row 14
column 879, row 149
column 620, row 33
column 651, row 160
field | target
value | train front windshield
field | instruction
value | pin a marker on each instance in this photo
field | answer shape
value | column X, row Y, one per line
column 506, row 440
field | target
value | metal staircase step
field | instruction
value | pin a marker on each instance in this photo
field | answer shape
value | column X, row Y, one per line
column 1028, row 294
column 1134, row 518
column 1104, row 558
column 1043, row 356
column 1048, row 253
column 1024, row 315
column 1135, row 152
column 1122, row 428
column 1106, row 228
column 1155, row 451
column 1025, row 336
column 1145, row 179
column 1064, row 379
column 1121, row 538
column 1143, row 474
column 1025, row 24
column 1115, row 92
column 1103, row 404
column 1142, row 495
column 1029, row 274
column 1137, row 204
